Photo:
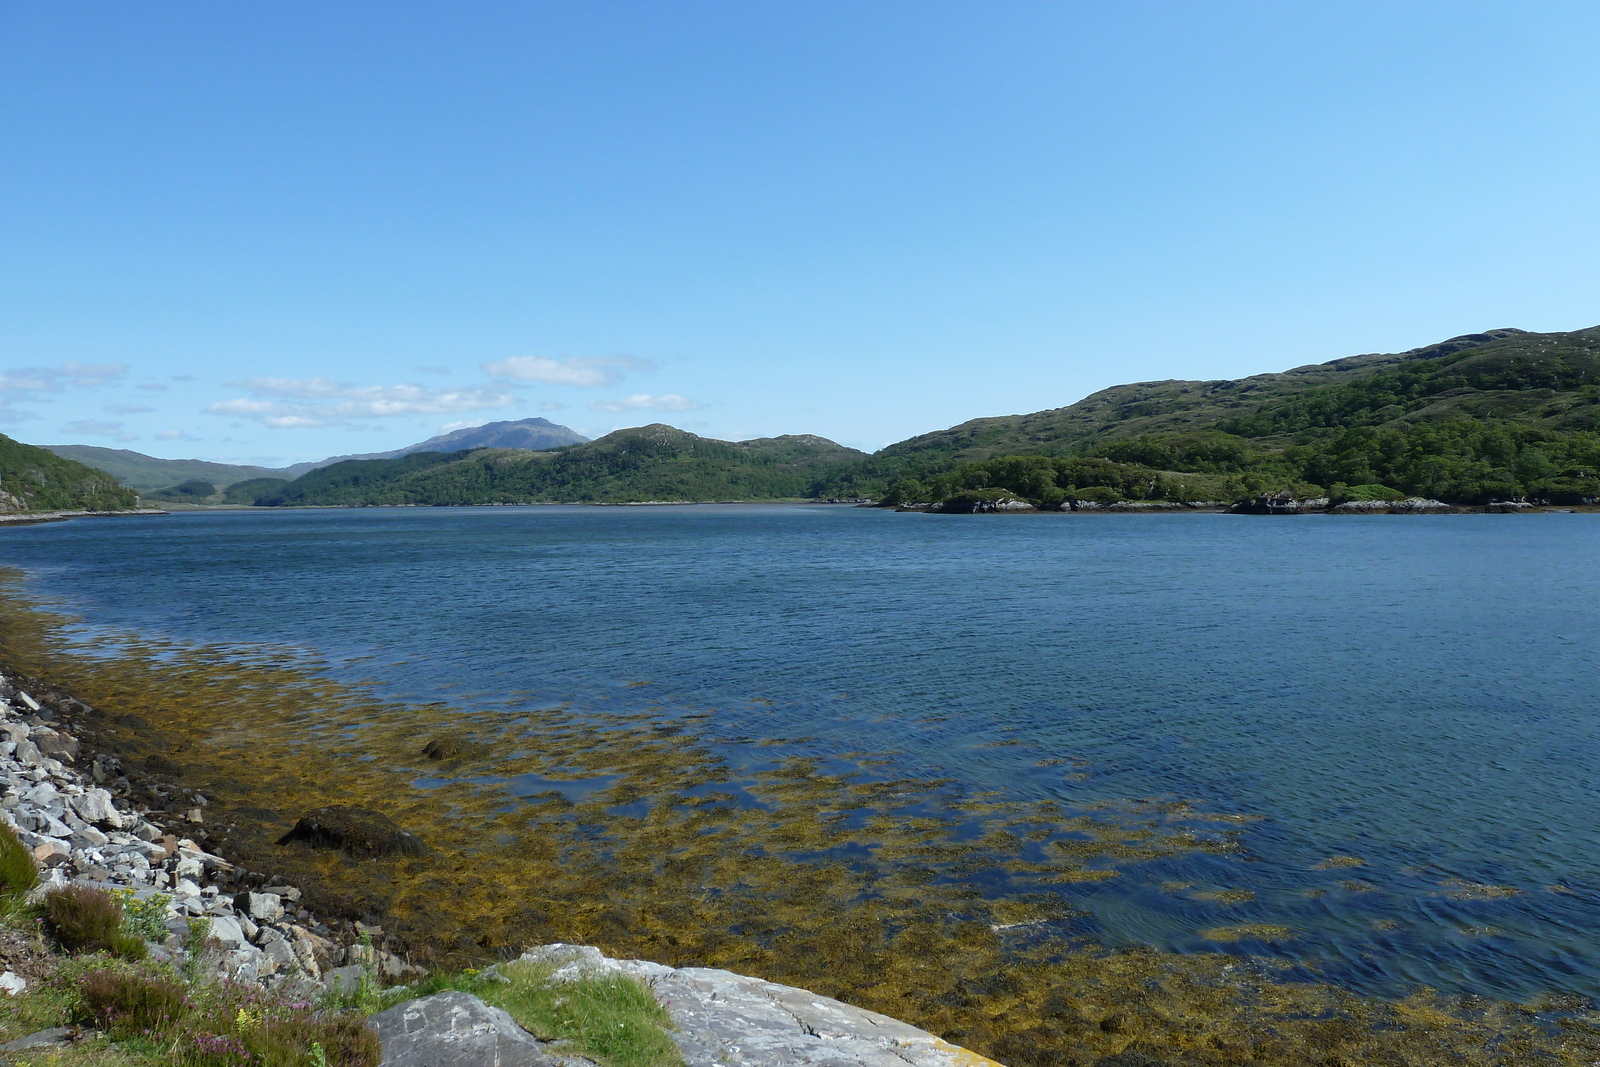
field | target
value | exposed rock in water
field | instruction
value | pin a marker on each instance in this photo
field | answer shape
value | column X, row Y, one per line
column 449, row 746
column 1280, row 503
column 984, row 500
column 356, row 831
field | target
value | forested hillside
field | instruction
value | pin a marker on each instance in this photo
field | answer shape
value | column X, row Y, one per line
column 647, row 463
column 33, row 479
column 1493, row 416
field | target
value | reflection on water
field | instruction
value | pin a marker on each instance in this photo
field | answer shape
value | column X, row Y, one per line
column 1378, row 735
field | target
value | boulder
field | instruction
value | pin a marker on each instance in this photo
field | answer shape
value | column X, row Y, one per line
column 55, row 744
column 263, row 907
column 355, row 831
column 455, row 1030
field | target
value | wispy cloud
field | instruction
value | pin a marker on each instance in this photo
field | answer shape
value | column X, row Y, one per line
column 127, row 409
column 646, row 402
column 38, row 383
column 551, row 405
column 172, row 435
column 585, row 371
column 295, row 402
column 92, row 428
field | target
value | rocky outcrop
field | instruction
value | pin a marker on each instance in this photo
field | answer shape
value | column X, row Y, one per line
column 459, row 1030
column 730, row 1020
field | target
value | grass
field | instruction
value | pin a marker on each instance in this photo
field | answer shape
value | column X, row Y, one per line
column 611, row 1018
column 18, row 874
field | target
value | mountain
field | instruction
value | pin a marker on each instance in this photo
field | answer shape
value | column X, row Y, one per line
column 1504, row 414
column 35, row 479
column 654, row 462
column 139, row 471
column 535, row 434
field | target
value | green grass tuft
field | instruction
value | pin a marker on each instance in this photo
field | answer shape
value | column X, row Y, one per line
column 18, row 873
column 612, row 1018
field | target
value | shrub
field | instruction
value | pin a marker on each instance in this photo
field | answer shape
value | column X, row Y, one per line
column 144, row 916
column 89, row 920
column 18, row 873
column 125, row 1002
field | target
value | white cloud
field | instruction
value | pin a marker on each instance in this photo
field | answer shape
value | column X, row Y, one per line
column 551, row 405
column 461, row 425
column 93, row 428
column 295, row 402
column 172, row 435
column 646, row 402
column 127, row 409
column 585, row 371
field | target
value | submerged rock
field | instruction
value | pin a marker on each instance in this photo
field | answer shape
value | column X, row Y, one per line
column 356, row 831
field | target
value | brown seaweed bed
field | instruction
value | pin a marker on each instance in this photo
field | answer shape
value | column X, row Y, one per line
column 874, row 889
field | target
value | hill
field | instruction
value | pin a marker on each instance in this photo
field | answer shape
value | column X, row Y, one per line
column 35, row 479
column 1504, row 414
column 161, row 478
column 139, row 471
column 654, row 462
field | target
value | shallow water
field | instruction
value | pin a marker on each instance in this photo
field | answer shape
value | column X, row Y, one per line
column 1416, row 693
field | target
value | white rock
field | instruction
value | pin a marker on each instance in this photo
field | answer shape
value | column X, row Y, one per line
column 189, row 867
column 225, row 930
column 266, row 907
column 12, row 983
column 88, row 837
column 33, row 705
column 96, row 806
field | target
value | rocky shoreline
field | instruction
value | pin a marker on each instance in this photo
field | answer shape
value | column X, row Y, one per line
column 87, row 823
column 1271, row 504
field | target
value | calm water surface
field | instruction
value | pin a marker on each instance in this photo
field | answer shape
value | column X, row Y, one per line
column 1422, row 693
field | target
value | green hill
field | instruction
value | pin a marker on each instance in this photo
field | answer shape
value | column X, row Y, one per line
column 139, row 471
column 1504, row 414
column 654, row 462
column 34, row 479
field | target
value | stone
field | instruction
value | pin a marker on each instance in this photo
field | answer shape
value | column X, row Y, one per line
column 265, row 907
column 225, row 930
column 51, row 847
column 287, row 892
column 393, row 967
column 189, row 867
column 736, row 1021
column 356, row 831
column 96, row 806
column 12, row 983
column 32, row 704
column 455, row 1030
column 343, row 981
column 87, row 836
column 28, row 752
column 55, row 744
column 38, row 1039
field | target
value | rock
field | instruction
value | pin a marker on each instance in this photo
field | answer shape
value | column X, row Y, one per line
column 28, row 752
column 262, row 907
column 393, row 967
column 455, row 1030
column 356, row 831
column 97, row 807
column 53, row 1036
column 345, row 980
column 55, row 744
column 729, row 1019
column 287, row 892
column 226, row 931
column 13, row 983
column 88, row 837
column 449, row 746
column 51, row 847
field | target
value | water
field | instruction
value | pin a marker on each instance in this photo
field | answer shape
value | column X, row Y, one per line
column 1416, row 692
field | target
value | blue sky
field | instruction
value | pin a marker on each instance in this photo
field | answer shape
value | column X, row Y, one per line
column 276, row 232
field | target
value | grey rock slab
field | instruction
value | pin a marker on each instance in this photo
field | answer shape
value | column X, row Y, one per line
column 53, row 1036
column 225, row 930
column 730, row 1020
column 344, row 980
column 455, row 1030
column 266, row 907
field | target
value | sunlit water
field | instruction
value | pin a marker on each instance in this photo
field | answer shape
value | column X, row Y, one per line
column 1420, row 693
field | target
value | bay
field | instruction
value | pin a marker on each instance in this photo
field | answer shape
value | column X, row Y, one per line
column 1414, row 693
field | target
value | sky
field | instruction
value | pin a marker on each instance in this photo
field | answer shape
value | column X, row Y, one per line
column 271, row 233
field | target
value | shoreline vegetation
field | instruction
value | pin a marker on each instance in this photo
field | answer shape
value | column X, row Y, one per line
column 840, row 878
